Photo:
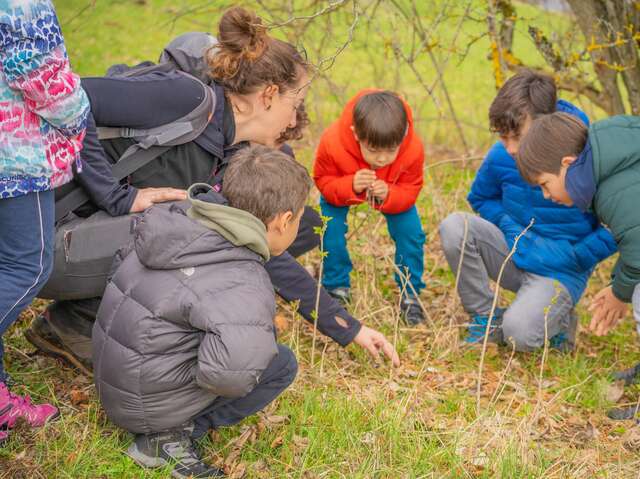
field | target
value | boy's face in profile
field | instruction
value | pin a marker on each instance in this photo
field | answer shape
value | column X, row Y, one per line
column 511, row 140
column 378, row 158
column 553, row 186
column 282, row 231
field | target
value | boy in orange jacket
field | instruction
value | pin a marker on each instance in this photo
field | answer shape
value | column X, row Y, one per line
column 371, row 153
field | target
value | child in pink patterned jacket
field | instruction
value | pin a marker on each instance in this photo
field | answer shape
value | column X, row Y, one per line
column 43, row 111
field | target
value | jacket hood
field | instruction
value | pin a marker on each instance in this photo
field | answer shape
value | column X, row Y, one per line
column 567, row 107
column 614, row 142
column 238, row 227
column 346, row 122
column 166, row 238
column 580, row 182
column 188, row 52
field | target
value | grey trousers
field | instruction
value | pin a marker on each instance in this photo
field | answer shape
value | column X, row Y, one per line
column 523, row 324
column 635, row 302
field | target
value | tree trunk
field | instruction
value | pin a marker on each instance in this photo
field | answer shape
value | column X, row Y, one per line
column 620, row 15
column 593, row 18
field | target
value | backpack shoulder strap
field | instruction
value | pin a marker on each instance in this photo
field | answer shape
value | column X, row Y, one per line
column 78, row 197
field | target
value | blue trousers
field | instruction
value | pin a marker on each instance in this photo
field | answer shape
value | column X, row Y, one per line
column 26, row 254
column 405, row 230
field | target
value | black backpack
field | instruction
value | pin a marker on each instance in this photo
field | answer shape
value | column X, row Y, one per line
column 186, row 55
column 85, row 248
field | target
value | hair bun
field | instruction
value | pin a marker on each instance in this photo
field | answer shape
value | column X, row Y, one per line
column 242, row 33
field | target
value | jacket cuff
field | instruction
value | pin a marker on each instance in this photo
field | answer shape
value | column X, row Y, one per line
column 345, row 336
column 122, row 203
column 622, row 291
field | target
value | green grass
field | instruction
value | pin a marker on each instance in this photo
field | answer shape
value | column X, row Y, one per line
column 345, row 416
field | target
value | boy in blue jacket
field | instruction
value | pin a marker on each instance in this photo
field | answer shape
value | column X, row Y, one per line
column 553, row 260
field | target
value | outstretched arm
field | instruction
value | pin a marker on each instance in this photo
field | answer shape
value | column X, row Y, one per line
column 293, row 283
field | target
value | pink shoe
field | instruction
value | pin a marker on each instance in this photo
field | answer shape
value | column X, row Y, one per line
column 14, row 407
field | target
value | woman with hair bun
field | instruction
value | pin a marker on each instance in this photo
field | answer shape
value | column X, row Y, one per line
column 260, row 84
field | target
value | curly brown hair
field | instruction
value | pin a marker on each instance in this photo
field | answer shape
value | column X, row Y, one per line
column 246, row 57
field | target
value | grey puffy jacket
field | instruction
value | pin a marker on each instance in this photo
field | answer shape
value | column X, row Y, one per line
column 186, row 318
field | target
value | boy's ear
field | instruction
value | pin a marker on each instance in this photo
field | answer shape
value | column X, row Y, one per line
column 282, row 221
column 287, row 219
column 354, row 133
column 568, row 160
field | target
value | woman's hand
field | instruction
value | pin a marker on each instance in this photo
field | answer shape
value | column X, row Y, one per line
column 375, row 343
column 147, row 197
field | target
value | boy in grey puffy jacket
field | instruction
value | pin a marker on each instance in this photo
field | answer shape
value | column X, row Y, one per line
column 184, row 339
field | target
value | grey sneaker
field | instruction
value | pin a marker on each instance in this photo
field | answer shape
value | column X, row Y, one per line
column 630, row 376
column 171, row 448
column 411, row 311
column 565, row 341
column 623, row 414
column 342, row 294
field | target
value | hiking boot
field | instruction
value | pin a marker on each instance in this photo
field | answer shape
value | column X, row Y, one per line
column 478, row 327
column 14, row 408
column 171, row 448
column 565, row 341
column 411, row 311
column 630, row 375
column 44, row 338
column 342, row 294
column 623, row 413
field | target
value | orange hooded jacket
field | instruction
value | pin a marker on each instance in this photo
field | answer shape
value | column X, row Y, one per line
column 338, row 158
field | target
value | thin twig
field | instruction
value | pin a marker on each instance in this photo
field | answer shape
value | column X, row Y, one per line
column 493, row 311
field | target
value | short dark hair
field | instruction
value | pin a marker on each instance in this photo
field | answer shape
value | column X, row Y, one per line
column 526, row 93
column 380, row 119
column 266, row 182
column 549, row 139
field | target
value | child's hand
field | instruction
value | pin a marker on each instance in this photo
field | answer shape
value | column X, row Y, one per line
column 375, row 342
column 607, row 312
column 380, row 190
column 363, row 179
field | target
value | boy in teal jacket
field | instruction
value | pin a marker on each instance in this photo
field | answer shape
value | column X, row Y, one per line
column 596, row 169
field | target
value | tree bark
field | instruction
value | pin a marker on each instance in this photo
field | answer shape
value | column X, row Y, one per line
column 592, row 18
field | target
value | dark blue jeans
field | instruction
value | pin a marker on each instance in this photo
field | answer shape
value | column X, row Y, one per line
column 405, row 230
column 26, row 254
column 225, row 411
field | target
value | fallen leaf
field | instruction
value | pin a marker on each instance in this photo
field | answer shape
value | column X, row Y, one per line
column 277, row 442
column 368, row 438
column 301, row 442
column 272, row 420
column 238, row 471
column 78, row 396
column 480, row 460
column 394, row 386
column 615, row 391
column 281, row 323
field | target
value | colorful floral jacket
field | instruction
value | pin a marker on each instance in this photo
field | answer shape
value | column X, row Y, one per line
column 43, row 109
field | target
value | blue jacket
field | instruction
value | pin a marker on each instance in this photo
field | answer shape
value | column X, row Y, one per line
column 564, row 243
